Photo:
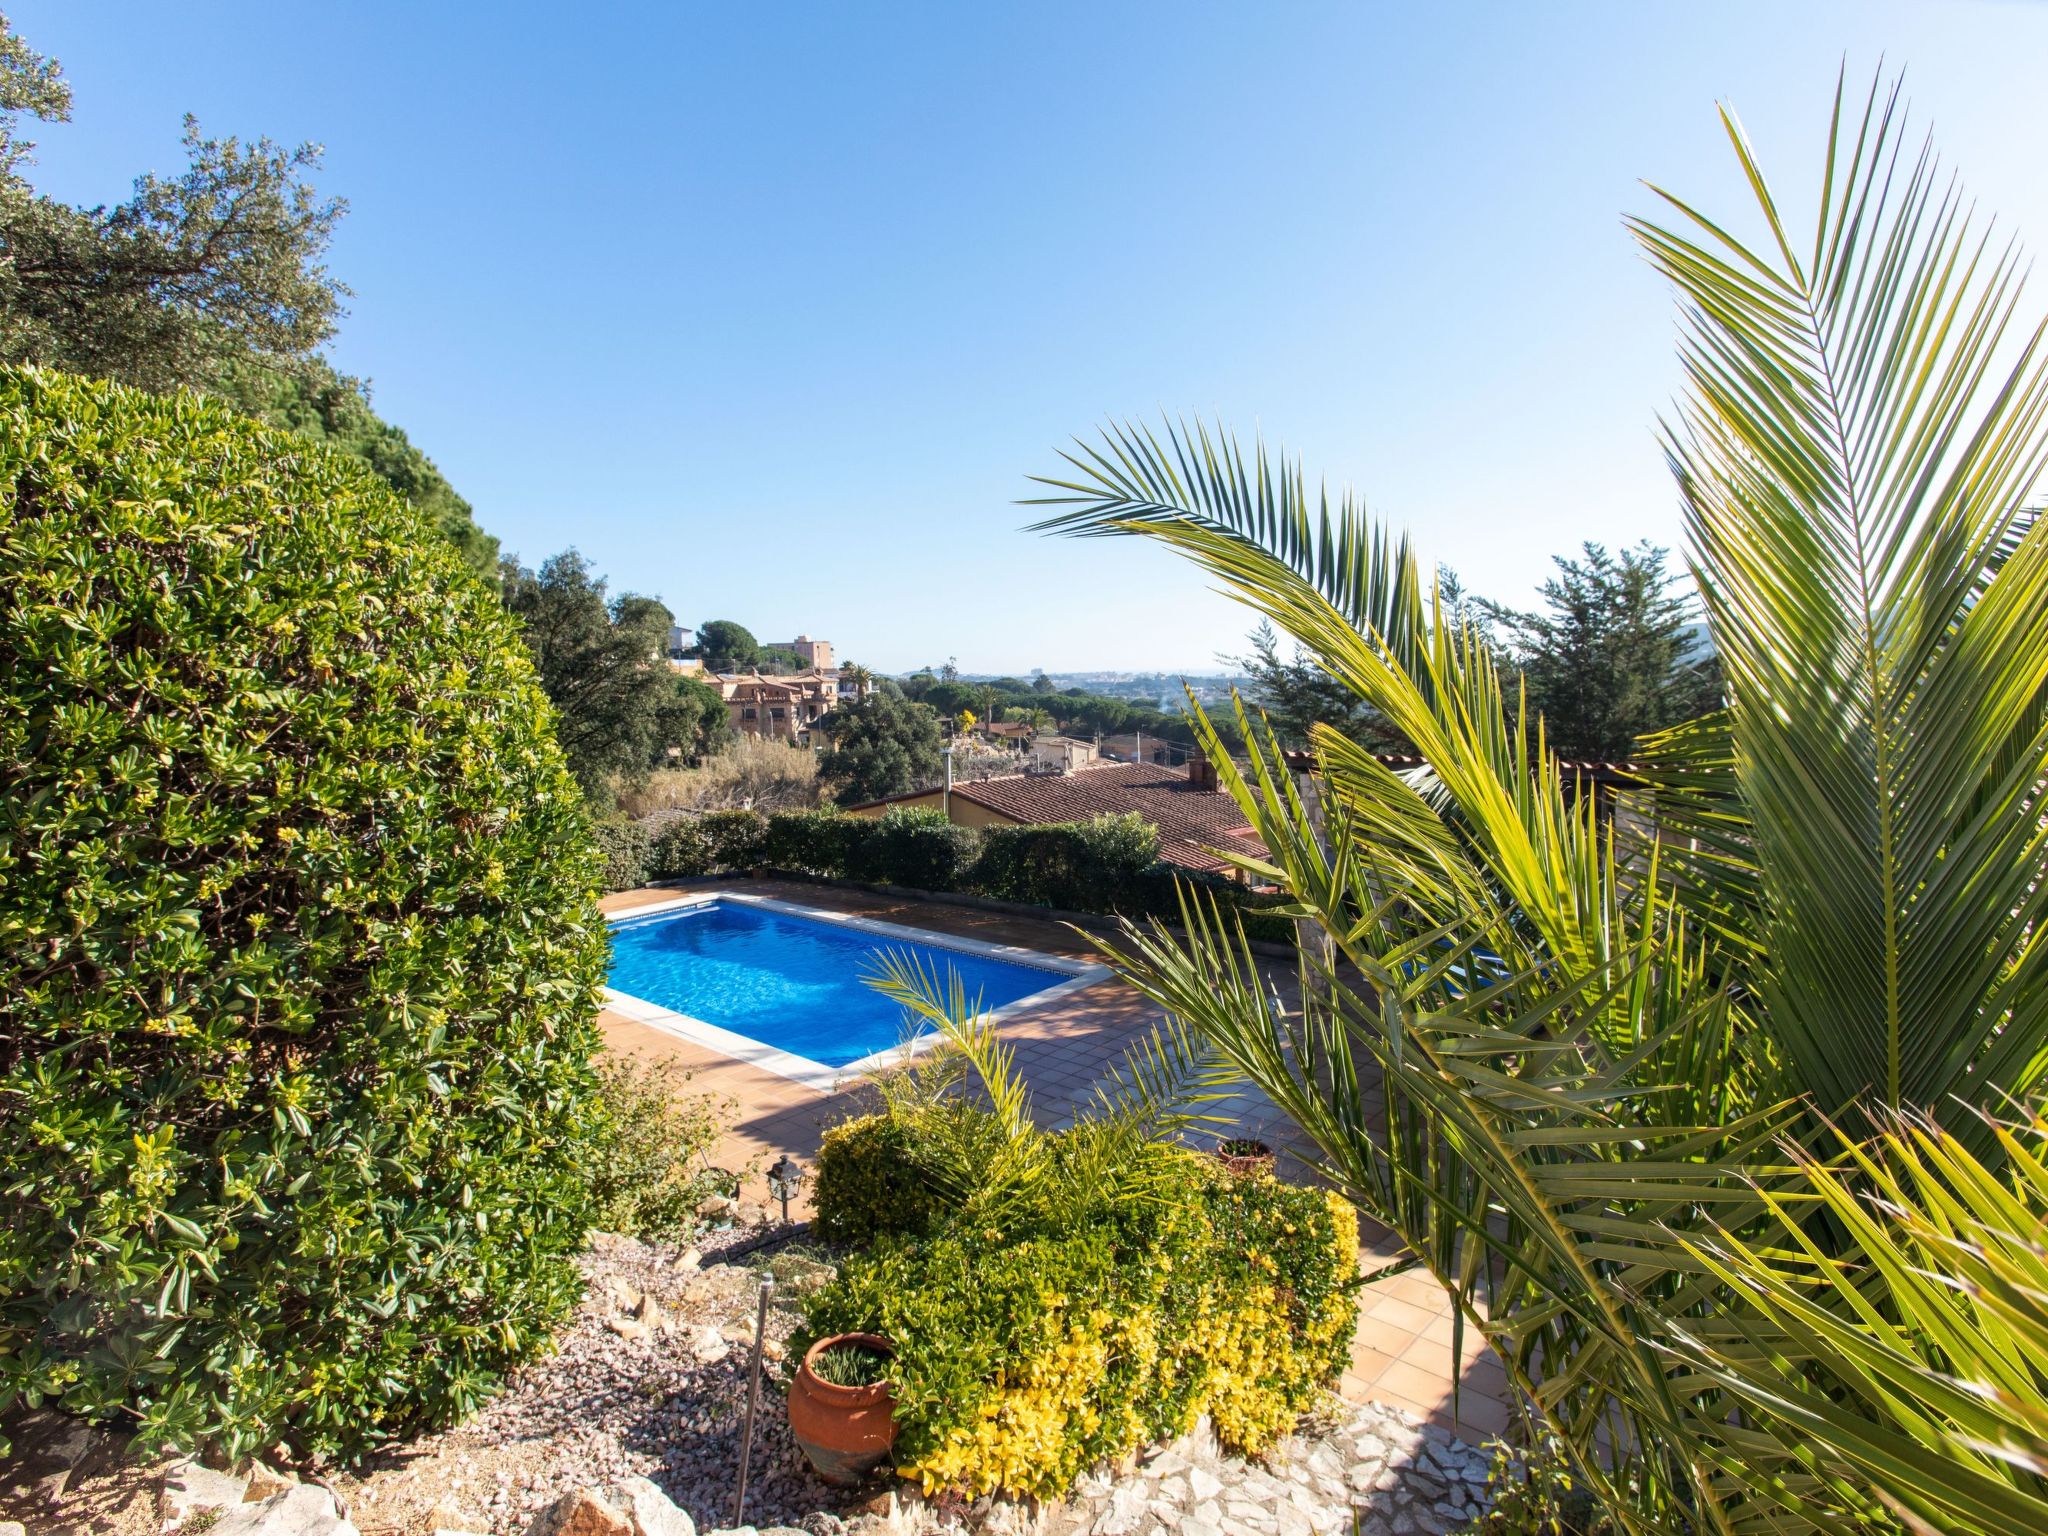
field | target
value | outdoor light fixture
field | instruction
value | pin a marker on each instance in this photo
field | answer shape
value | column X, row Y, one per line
column 784, row 1180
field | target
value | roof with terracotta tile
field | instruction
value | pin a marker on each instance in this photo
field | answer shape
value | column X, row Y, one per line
column 1191, row 820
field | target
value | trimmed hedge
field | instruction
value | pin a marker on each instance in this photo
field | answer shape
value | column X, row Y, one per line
column 1084, row 866
column 1024, row 1358
column 916, row 846
column 625, row 848
column 820, row 843
column 300, row 956
column 1109, row 865
column 733, row 839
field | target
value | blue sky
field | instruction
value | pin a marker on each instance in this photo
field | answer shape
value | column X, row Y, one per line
column 772, row 310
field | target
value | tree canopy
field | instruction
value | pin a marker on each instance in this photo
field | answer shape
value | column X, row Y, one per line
column 880, row 746
column 727, row 645
column 619, row 707
column 1610, row 657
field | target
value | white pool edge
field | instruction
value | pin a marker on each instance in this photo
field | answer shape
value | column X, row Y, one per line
column 815, row 1075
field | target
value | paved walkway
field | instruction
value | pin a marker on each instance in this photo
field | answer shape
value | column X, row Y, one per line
column 1064, row 1047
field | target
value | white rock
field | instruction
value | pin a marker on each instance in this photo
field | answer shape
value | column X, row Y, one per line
column 188, row 1487
column 651, row 1511
column 706, row 1343
column 302, row 1510
column 1206, row 1486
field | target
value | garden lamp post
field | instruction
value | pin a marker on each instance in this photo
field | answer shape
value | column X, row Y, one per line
column 784, row 1180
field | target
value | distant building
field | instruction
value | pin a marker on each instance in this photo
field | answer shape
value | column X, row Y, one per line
column 1061, row 754
column 681, row 638
column 816, row 655
column 780, row 708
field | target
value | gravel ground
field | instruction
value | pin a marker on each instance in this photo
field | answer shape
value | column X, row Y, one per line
column 651, row 1378
column 667, row 1405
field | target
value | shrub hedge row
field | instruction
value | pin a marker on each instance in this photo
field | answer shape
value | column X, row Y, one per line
column 299, row 950
column 1023, row 1362
column 1108, row 865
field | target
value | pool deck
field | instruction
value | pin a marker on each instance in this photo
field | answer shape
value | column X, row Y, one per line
column 1064, row 1046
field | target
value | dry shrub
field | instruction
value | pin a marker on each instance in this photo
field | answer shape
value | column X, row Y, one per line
column 766, row 775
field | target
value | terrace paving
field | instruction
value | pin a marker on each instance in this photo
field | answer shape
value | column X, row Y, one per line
column 1065, row 1047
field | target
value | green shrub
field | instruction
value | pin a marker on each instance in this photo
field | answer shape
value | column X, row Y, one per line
column 299, row 949
column 867, row 1185
column 917, row 846
column 624, row 848
column 1024, row 1359
column 1157, row 893
column 678, row 850
column 733, row 840
column 1083, row 866
column 648, row 1142
column 825, row 843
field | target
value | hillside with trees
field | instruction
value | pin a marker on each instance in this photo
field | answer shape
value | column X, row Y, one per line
column 212, row 280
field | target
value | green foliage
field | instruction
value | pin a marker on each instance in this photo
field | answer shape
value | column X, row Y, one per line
column 678, row 851
column 620, row 707
column 915, row 846
column 1100, row 866
column 1535, row 1493
column 627, row 853
column 825, row 843
column 851, row 1365
column 733, row 840
column 867, row 1185
column 1610, row 661
column 649, row 1139
column 1087, row 866
column 299, row 951
column 881, row 746
column 1700, row 1130
column 186, row 280
column 1025, row 1356
column 1056, row 1299
column 313, row 399
column 727, row 646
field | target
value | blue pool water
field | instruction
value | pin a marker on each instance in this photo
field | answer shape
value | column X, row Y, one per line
column 791, row 982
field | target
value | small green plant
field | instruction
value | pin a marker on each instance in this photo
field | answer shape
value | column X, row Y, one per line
column 1533, row 1492
column 851, row 1365
column 648, row 1142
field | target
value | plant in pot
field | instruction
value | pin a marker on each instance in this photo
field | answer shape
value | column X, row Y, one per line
column 842, row 1408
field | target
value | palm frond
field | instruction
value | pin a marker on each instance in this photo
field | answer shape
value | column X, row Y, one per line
column 1923, row 1362
column 1861, row 437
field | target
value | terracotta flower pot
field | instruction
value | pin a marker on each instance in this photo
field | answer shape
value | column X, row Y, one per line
column 1243, row 1156
column 845, row 1431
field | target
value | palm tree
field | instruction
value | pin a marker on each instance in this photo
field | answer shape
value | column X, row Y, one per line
column 1627, row 1097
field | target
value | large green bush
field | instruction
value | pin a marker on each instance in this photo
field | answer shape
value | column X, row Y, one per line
column 299, row 951
column 917, row 846
column 1029, row 1353
column 824, row 843
column 626, row 851
column 1082, row 866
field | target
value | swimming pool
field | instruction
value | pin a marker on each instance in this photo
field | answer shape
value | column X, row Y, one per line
column 782, row 986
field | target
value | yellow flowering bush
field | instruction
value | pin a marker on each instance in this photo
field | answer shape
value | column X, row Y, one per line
column 1026, row 1357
